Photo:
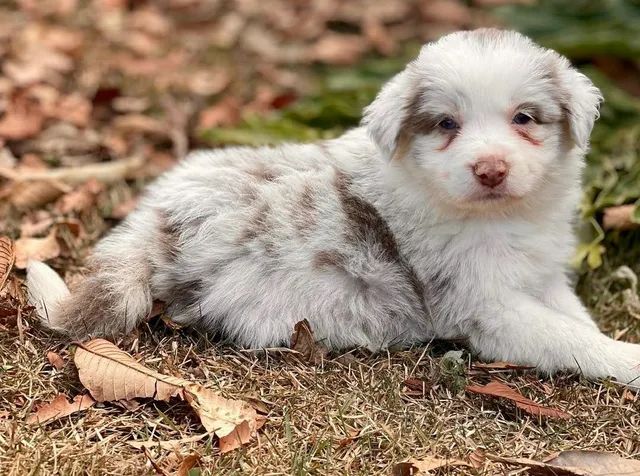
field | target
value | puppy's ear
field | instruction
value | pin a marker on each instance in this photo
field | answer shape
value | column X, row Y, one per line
column 581, row 102
column 384, row 117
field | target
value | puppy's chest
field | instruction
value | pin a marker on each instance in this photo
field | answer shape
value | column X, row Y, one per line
column 472, row 260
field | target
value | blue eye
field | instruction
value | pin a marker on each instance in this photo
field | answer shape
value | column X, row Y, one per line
column 448, row 124
column 521, row 119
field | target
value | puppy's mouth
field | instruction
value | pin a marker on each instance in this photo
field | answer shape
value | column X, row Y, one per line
column 492, row 195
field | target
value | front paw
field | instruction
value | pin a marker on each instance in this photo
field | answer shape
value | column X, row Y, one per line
column 627, row 364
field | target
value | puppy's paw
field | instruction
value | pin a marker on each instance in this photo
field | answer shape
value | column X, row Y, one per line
column 626, row 364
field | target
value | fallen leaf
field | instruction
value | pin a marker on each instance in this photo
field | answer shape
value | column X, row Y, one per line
column 56, row 360
column 417, row 386
column 500, row 390
column 226, row 112
column 7, row 258
column 576, row 463
column 74, row 109
column 140, row 123
column 122, row 209
column 596, row 463
column 38, row 249
column 423, row 466
column 81, row 199
column 477, row 458
column 500, row 366
column 187, row 464
column 35, row 193
column 619, row 218
column 21, row 122
column 338, row 48
column 111, row 374
column 451, row 12
column 170, row 445
column 60, row 407
column 157, row 468
column 304, row 342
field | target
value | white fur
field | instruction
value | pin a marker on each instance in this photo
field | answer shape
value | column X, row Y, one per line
column 382, row 236
column 46, row 291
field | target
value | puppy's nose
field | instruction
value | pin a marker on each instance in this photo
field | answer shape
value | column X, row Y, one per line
column 491, row 171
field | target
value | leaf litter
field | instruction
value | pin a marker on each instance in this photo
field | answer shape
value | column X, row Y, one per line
column 83, row 89
column 111, row 374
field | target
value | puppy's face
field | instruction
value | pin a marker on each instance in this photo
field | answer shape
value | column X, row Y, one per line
column 484, row 117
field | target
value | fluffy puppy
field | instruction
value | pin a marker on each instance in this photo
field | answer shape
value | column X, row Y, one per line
column 448, row 213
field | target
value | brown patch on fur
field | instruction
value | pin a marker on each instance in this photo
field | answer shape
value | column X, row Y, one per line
column 257, row 224
column 525, row 135
column 186, row 295
column 447, row 143
column 414, row 122
column 367, row 225
column 248, row 193
column 329, row 259
column 168, row 236
column 304, row 215
column 89, row 312
column 262, row 173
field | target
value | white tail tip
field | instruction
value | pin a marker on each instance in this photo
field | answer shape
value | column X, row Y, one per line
column 46, row 290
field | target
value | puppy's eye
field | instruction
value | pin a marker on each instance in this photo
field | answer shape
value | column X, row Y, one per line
column 521, row 119
column 448, row 124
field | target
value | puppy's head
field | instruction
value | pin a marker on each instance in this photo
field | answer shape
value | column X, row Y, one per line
column 485, row 117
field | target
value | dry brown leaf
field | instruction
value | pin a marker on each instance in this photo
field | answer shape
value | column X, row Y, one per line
column 122, row 209
column 38, row 249
column 500, row 366
column 111, row 374
column 36, row 193
column 304, row 342
column 60, row 407
column 170, row 445
column 451, row 12
column 596, row 463
column 187, row 464
column 7, row 258
column 81, row 199
column 424, row 465
column 619, row 218
column 226, row 112
column 500, row 390
column 337, row 48
column 417, row 386
column 576, row 463
column 376, row 33
column 21, row 122
column 56, row 360
column 140, row 123
column 74, row 109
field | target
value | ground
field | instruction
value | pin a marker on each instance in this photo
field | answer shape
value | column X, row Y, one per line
column 112, row 81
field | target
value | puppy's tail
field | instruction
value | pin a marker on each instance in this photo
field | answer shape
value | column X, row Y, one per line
column 111, row 301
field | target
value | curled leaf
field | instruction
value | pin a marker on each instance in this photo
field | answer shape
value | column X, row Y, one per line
column 111, row 374
column 38, row 249
column 60, row 407
column 500, row 390
column 7, row 258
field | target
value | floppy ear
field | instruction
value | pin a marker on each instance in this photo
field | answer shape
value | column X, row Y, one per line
column 581, row 102
column 384, row 117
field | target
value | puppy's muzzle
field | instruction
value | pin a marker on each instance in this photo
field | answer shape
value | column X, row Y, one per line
column 490, row 171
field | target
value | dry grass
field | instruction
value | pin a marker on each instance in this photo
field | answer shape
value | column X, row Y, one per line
column 353, row 416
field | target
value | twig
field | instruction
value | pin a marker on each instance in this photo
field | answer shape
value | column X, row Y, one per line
column 107, row 172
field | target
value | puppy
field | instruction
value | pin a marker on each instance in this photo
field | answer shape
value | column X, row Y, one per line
column 448, row 213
